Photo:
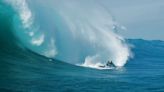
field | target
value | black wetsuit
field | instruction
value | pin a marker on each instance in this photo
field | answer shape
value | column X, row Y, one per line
column 110, row 64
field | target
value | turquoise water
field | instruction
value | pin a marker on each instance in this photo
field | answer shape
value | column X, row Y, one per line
column 24, row 68
column 24, row 71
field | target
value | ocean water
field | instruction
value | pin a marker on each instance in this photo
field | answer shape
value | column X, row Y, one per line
column 24, row 71
column 31, row 62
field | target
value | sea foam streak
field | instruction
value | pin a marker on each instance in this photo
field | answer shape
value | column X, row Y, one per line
column 76, row 32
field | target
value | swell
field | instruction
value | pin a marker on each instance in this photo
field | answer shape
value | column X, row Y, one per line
column 87, row 38
column 16, row 60
column 8, row 40
column 6, row 26
column 11, row 54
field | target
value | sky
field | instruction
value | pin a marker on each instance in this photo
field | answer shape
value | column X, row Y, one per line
column 144, row 19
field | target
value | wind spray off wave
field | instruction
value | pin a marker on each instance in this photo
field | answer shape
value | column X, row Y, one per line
column 93, row 26
column 77, row 32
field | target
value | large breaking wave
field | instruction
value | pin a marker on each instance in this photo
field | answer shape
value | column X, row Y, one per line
column 77, row 32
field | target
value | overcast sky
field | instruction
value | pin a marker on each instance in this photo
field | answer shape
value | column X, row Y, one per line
column 142, row 18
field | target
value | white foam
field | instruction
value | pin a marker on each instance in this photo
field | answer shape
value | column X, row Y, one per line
column 51, row 50
column 38, row 40
column 23, row 10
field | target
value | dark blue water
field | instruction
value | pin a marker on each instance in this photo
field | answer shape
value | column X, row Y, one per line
column 22, row 70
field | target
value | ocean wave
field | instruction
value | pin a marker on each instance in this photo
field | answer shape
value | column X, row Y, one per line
column 69, row 33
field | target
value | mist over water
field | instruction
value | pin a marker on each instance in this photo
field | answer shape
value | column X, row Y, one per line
column 77, row 32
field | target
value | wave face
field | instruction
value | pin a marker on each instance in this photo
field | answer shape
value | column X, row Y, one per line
column 76, row 32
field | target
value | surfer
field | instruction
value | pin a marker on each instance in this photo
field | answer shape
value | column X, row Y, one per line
column 108, row 64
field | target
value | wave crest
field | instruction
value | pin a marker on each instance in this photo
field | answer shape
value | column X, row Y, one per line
column 75, row 32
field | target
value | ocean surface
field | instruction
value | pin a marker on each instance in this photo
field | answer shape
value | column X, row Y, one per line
column 25, row 68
